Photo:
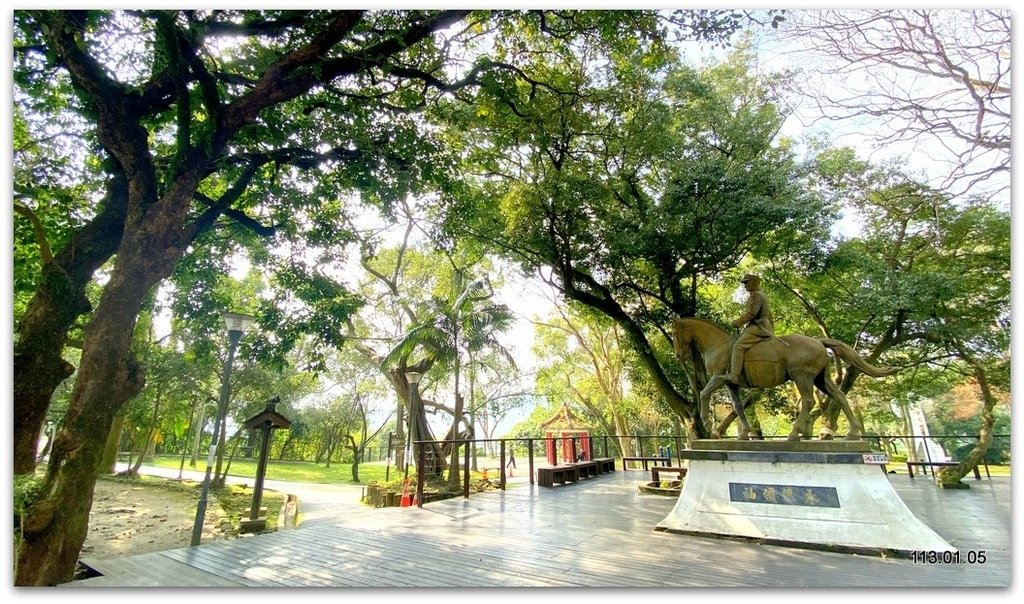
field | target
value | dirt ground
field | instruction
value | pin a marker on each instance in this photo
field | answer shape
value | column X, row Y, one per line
column 128, row 519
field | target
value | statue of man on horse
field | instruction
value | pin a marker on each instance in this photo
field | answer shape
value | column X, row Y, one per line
column 757, row 326
column 759, row 359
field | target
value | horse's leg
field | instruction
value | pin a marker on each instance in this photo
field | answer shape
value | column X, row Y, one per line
column 714, row 383
column 741, row 417
column 803, row 384
column 824, row 383
column 706, row 414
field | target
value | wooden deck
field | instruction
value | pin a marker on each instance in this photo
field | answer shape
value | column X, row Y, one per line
column 600, row 533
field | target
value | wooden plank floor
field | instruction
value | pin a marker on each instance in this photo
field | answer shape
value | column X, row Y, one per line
column 596, row 533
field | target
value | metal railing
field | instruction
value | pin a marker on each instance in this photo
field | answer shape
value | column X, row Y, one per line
column 506, row 456
column 644, row 445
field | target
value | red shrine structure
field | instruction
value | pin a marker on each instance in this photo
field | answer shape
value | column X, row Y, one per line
column 564, row 438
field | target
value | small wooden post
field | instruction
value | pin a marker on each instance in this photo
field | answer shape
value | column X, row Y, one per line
column 265, row 421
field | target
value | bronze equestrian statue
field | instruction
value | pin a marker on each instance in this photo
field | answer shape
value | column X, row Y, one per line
column 768, row 362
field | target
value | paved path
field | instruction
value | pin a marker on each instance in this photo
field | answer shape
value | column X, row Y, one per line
column 596, row 533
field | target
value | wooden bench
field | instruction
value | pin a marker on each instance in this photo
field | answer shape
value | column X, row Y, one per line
column 645, row 461
column 924, row 465
column 547, row 477
column 586, row 468
column 656, row 471
column 605, row 464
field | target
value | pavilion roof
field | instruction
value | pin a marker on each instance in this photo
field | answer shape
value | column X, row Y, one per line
column 563, row 419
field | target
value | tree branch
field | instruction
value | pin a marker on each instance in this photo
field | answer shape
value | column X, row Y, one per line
column 37, row 230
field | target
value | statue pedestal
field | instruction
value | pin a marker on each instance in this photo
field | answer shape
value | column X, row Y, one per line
column 829, row 495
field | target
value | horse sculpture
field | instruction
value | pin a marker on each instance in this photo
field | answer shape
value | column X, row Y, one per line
column 802, row 359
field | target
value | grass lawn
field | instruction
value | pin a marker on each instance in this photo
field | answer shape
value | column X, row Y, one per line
column 289, row 471
column 306, row 471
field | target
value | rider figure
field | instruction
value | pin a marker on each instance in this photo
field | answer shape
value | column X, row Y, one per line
column 756, row 323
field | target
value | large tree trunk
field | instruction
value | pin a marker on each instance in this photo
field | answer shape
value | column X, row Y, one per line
column 948, row 477
column 57, row 522
column 39, row 365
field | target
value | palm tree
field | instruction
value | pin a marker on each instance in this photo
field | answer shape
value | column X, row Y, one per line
column 463, row 325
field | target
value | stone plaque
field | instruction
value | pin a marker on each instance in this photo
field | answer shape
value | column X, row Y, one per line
column 784, row 494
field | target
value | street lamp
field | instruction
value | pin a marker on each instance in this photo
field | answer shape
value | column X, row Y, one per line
column 236, row 325
column 413, row 378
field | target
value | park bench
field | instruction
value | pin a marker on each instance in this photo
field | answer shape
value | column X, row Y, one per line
column 574, row 472
column 586, row 468
column 645, row 461
column 547, row 477
column 656, row 472
column 924, row 465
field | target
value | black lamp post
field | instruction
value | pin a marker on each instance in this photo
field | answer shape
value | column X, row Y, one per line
column 237, row 325
column 414, row 417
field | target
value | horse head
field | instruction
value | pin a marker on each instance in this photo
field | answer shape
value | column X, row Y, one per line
column 681, row 339
column 701, row 333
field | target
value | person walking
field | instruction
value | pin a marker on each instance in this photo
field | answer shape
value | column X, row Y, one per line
column 511, row 463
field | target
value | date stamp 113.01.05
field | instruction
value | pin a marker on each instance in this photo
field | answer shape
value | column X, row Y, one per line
column 935, row 557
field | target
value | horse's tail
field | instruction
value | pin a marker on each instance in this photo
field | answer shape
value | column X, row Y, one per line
column 848, row 354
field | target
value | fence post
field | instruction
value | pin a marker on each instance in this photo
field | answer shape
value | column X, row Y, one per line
column 529, row 455
column 501, row 480
column 420, row 474
column 465, row 475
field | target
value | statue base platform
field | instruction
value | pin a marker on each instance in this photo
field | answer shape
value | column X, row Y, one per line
column 827, row 495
